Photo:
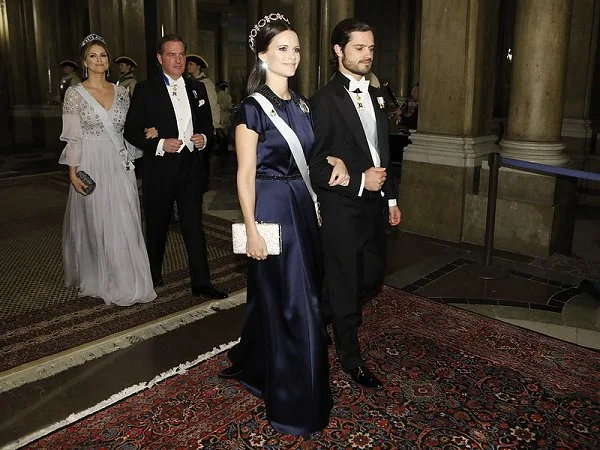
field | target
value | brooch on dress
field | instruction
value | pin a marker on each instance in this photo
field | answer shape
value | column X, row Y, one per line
column 273, row 113
column 303, row 106
column 381, row 102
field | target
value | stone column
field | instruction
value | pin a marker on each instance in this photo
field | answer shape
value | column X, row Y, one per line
column 583, row 37
column 537, row 83
column 305, row 19
column 223, row 42
column 187, row 23
column 122, row 24
column 324, row 44
column 35, row 119
column 134, row 35
column 45, row 53
column 332, row 12
column 455, row 110
column 416, row 43
column 106, row 19
column 534, row 212
column 6, row 128
column 166, row 17
column 404, row 50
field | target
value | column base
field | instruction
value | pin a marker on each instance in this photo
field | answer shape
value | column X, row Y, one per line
column 437, row 170
column 550, row 153
column 449, row 150
column 577, row 136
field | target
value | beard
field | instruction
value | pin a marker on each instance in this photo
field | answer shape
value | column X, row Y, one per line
column 354, row 67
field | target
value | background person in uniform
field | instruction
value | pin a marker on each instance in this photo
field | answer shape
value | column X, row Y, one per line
column 127, row 67
column 351, row 124
column 195, row 69
column 222, row 131
column 178, row 111
column 69, row 76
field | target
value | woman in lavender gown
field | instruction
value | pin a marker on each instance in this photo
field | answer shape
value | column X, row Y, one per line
column 103, row 245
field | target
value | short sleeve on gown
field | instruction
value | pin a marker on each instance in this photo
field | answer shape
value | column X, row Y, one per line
column 71, row 132
column 250, row 113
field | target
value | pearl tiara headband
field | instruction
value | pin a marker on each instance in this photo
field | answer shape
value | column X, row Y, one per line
column 261, row 23
column 92, row 37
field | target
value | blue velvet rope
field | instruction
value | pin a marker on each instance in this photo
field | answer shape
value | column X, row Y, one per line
column 550, row 169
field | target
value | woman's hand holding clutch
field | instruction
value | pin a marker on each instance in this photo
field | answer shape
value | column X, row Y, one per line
column 79, row 186
column 256, row 246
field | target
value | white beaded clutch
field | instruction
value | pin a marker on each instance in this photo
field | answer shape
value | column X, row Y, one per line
column 270, row 232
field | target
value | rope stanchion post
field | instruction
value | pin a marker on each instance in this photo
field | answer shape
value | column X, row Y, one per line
column 487, row 270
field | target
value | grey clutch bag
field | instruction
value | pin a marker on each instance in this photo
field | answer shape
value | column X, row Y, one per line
column 270, row 232
column 87, row 180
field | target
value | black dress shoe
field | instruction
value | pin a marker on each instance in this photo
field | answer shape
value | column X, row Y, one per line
column 363, row 376
column 208, row 291
column 157, row 280
column 230, row 372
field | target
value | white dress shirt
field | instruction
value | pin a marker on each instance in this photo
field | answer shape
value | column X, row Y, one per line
column 183, row 114
column 366, row 113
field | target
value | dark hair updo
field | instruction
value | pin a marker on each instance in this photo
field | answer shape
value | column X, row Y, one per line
column 260, row 37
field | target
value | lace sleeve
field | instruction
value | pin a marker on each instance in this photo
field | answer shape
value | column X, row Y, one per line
column 71, row 132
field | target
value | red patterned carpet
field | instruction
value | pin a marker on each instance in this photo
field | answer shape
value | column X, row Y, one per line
column 453, row 380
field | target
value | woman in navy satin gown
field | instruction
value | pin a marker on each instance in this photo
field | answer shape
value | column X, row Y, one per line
column 282, row 356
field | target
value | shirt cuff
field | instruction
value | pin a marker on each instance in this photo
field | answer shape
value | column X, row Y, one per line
column 392, row 202
column 159, row 148
column 362, row 184
column 205, row 141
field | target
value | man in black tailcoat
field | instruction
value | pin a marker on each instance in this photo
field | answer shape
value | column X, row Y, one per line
column 170, row 120
column 351, row 124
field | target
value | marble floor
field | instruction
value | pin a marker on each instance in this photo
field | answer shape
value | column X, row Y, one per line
column 541, row 299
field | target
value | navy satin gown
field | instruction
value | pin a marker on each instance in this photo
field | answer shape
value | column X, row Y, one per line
column 283, row 349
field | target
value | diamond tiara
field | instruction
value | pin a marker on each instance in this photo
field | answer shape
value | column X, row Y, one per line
column 92, row 37
column 261, row 23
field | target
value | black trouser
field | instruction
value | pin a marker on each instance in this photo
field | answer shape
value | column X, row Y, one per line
column 354, row 255
column 176, row 177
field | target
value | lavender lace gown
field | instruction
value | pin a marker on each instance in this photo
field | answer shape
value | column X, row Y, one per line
column 103, row 246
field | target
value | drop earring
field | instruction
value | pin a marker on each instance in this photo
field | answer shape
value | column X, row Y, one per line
column 85, row 73
column 264, row 65
column 108, row 72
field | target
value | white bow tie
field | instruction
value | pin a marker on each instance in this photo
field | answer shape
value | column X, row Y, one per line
column 362, row 85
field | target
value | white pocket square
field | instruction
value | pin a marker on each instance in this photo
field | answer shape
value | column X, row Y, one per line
column 201, row 102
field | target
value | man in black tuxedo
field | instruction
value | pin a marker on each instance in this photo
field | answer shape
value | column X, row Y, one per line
column 351, row 123
column 169, row 119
